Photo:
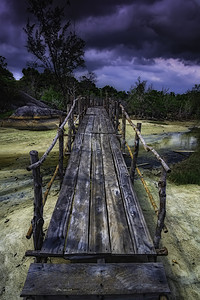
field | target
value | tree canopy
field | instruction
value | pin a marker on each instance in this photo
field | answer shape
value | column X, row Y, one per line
column 7, row 85
column 52, row 41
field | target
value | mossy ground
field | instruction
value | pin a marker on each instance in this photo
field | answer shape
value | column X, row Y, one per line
column 16, row 210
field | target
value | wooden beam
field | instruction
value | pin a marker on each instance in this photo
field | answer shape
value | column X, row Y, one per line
column 162, row 209
column 135, row 154
column 85, row 281
column 37, row 222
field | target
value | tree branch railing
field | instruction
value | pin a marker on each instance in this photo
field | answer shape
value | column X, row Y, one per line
column 146, row 147
column 161, row 211
column 60, row 130
column 39, row 201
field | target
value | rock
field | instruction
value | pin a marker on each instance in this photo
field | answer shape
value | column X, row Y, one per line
column 33, row 115
column 35, row 111
column 26, row 100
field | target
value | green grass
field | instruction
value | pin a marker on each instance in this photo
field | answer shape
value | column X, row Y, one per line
column 188, row 171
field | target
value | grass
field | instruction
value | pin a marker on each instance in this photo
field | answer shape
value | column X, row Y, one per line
column 188, row 171
column 6, row 114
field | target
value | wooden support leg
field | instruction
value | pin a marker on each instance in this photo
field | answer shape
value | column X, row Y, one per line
column 135, row 155
column 116, row 116
column 37, row 222
column 162, row 209
column 69, row 142
column 123, row 131
column 61, row 156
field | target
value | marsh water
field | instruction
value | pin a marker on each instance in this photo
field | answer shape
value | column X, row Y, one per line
column 173, row 146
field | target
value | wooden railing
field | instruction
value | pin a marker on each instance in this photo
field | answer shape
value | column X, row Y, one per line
column 114, row 109
column 78, row 107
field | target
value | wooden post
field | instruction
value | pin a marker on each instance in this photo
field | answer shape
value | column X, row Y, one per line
column 70, row 128
column 85, row 105
column 135, row 154
column 104, row 102
column 107, row 103
column 61, row 149
column 72, row 120
column 112, row 112
column 116, row 116
column 37, row 221
column 123, row 131
column 79, row 110
column 162, row 209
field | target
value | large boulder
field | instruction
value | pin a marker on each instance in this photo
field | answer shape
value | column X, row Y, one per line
column 33, row 115
column 34, row 111
column 24, row 99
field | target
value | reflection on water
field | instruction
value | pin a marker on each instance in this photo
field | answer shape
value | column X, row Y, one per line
column 166, row 144
column 183, row 141
column 175, row 140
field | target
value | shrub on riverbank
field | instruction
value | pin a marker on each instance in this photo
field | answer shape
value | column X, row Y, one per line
column 188, row 171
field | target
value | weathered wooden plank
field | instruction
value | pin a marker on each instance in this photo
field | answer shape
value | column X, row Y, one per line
column 140, row 235
column 96, row 279
column 77, row 237
column 90, row 124
column 119, row 232
column 55, row 238
column 103, row 121
column 96, row 127
column 110, row 128
column 99, row 241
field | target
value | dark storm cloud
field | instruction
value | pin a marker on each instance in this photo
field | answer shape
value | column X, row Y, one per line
column 120, row 34
column 164, row 28
column 84, row 9
column 12, row 37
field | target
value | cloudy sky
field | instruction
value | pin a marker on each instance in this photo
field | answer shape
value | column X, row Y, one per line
column 158, row 40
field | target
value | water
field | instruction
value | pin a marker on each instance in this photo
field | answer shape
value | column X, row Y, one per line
column 166, row 144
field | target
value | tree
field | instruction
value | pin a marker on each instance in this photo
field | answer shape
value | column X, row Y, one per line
column 192, row 105
column 8, row 89
column 109, row 91
column 51, row 41
column 30, row 82
column 87, row 84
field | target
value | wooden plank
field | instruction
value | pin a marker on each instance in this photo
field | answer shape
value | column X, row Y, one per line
column 77, row 237
column 140, row 235
column 110, row 128
column 96, row 279
column 96, row 127
column 103, row 121
column 82, row 126
column 99, row 241
column 90, row 124
column 55, row 238
column 119, row 232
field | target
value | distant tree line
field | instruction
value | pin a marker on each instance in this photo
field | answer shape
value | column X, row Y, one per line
column 146, row 102
column 58, row 52
column 142, row 100
column 8, row 86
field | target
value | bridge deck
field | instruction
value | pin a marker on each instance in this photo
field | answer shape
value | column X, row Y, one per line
column 97, row 212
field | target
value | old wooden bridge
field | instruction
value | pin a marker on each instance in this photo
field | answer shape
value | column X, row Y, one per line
column 97, row 231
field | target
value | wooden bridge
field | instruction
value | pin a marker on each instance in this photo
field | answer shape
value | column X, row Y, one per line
column 97, row 229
